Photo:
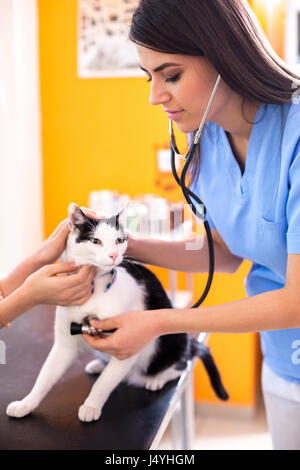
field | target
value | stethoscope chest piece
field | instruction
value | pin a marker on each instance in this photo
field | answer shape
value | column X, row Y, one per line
column 86, row 328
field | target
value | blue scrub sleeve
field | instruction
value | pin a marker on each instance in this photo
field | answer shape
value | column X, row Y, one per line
column 293, row 206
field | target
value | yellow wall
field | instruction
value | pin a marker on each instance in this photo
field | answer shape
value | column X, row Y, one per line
column 101, row 134
column 96, row 133
column 272, row 15
column 237, row 355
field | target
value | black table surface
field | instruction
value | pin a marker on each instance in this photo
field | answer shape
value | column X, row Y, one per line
column 130, row 418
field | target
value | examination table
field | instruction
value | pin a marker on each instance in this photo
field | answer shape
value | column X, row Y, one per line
column 132, row 418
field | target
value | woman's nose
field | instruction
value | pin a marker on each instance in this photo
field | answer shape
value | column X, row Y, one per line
column 159, row 94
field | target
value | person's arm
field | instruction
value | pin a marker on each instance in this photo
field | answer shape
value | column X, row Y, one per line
column 13, row 306
column 175, row 255
column 46, row 286
column 35, row 281
column 273, row 310
column 47, row 253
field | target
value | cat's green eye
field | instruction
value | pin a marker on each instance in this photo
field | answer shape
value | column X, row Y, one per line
column 96, row 241
column 121, row 240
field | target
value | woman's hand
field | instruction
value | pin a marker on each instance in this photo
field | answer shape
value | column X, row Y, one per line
column 52, row 248
column 134, row 331
column 131, row 241
column 45, row 286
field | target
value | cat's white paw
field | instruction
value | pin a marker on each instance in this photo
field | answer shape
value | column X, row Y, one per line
column 89, row 413
column 19, row 409
column 94, row 367
column 154, row 384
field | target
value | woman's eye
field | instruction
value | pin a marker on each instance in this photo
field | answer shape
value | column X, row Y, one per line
column 96, row 241
column 174, row 78
column 170, row 79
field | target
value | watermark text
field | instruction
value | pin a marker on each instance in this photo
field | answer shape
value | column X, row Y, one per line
column 2, row 352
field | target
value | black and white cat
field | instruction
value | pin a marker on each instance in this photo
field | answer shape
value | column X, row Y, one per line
column 120, row 286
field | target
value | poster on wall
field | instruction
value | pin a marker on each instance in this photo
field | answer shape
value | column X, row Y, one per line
column 104, row 49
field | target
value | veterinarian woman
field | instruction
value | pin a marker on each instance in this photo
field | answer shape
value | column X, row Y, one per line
column 36, row 280
column 247, row 173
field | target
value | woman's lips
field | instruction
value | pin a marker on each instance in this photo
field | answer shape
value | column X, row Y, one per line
column 173, row 115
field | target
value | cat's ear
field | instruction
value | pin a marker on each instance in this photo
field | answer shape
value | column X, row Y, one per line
column 121, row 218
column 76, row 216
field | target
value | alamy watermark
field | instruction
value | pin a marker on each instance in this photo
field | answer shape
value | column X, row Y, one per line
column 296, row 94
column 2, row 352
column 295, row 357
column 164, row 222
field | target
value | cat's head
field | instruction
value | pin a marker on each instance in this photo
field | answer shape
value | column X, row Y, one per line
column 100, row 243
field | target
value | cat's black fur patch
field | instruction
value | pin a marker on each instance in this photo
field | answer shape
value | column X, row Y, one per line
column 174, row 348
column 170, row 348
column 87, row 228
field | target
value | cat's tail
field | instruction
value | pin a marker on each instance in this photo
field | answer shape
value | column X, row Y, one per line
column 202, row 351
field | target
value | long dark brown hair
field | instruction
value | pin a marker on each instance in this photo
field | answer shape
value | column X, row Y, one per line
column 228, row 34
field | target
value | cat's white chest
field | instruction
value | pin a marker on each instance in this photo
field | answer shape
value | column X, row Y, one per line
column 123, row 296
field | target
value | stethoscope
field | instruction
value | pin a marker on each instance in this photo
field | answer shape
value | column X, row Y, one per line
column 86, row 327
column 188, row 194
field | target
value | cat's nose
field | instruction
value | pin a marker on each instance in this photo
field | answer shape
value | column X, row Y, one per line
column 113, row 256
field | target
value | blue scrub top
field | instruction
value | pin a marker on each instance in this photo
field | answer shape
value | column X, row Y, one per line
column 257, row 213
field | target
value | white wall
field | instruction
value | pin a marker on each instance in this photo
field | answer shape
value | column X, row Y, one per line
column 20, row 149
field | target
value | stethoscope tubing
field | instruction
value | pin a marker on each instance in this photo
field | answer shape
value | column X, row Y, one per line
column 189, row 195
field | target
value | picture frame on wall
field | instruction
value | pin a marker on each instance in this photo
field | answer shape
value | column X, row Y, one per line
column 103, row 47
column 292, row 37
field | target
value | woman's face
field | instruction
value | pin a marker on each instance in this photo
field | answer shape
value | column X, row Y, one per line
column 182, row 84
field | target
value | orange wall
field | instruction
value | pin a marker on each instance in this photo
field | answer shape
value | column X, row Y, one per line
column 272, row 15
column 101, row 134
column 96, row 133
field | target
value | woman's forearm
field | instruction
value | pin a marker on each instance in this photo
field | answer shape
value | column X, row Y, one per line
column 18, row 275
column 14, row 305
column 272, row 310
column 186, row 256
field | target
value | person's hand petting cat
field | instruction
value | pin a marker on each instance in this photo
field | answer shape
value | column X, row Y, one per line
column 52, row 248
column 36, row 280
column 45, row 286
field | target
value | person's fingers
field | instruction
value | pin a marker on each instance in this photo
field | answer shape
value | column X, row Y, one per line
column 102, row 344
column 63, row 224
column 91, row 274
column 80, row 298
column 75, row 295
column 83, row 278
column 62, row 229
column 106, row 325
column 58, row 268
column 86, row 274
column 80, row 276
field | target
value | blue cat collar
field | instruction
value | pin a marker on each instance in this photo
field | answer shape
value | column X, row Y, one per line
column 110, row 283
